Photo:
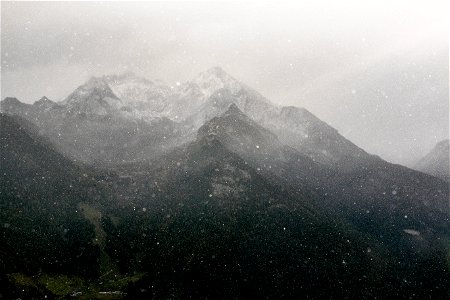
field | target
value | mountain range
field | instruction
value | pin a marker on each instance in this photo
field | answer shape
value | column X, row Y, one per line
column 208, row 190
column 125, row 106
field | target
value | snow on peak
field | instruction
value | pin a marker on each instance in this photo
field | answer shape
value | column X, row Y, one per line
column 214, row 79
column 140, row 96
column 93, row 97
column 94, row 89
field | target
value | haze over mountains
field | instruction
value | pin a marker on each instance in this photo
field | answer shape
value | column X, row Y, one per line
column 140, row 102
column 209, row 190
column 436, row 162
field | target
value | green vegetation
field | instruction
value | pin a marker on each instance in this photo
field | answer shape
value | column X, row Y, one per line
column 62, row 286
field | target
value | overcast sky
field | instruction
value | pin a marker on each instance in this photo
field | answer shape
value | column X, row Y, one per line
column 375, row 70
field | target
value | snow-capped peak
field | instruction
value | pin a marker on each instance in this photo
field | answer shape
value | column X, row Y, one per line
column 140, row 96
column 93, row 97
column 214, row 79
column 93, row 90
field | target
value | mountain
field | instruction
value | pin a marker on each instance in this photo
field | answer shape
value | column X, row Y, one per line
column 91, row 126
column 365, row 185
column 13, row 106
column 140, row 97
column 219, row 212
column 264, row 151
column 203, row 222
column 231, row 210
column 212, row 92
column 128, row 98
column 101, row 119
column 378, row 198
column 196, row 100
column 127, row 95
column 241, row 134
column 436, row 162
column 300, row 129
column 51, row 208
column 40, row 190
column 211, row 80
column 94, row 97
column 45, row 104
column 112, row 140
column 191, row 95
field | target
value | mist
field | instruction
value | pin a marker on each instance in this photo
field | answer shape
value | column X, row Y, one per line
column 377, row 72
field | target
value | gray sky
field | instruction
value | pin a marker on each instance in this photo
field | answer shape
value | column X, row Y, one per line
column 377, row 71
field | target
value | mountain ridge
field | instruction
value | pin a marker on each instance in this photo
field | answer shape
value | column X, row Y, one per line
column 192, row 104
column 436, row 162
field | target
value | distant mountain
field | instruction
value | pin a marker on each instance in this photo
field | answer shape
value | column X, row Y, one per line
column 195, row 97
column 129, row 98
column 212, row 92
column 436, row 162
column 13, row 106
column 300, row 129
column 45, row 104
column 140, row 97
column 101, row 118
column 127, row 95
column 94, row 97
column 90, row 126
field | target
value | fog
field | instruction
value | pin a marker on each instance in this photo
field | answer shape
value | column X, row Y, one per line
column 377, row 71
